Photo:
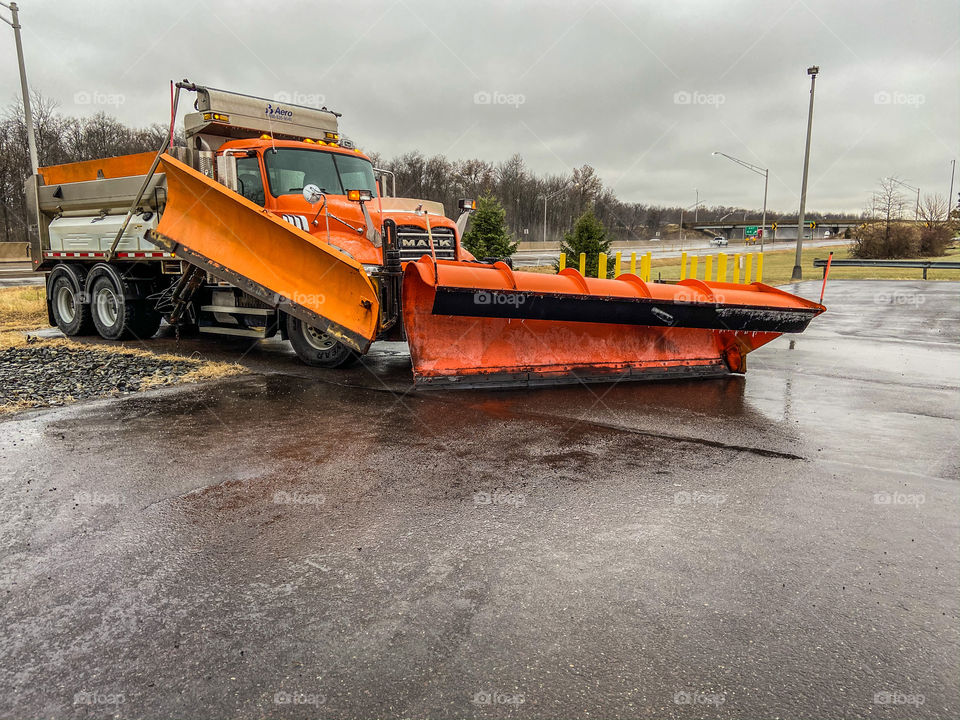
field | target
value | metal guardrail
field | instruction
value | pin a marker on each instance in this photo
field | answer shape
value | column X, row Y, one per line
column 924, row 264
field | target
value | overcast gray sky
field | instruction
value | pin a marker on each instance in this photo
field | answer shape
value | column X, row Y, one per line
column 643, row 91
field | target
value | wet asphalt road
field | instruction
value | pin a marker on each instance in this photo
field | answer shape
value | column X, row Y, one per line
column 298, row 543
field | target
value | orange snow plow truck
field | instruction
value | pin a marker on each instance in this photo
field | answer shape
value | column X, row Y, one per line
column 269, row 221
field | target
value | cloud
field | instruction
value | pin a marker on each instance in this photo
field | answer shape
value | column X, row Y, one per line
column 644, row 92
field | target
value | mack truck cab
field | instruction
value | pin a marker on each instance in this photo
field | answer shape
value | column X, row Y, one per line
column 95, row 233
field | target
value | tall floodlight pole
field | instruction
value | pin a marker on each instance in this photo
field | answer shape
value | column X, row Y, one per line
column 766, row 177
column 797, row 270
column 14, row 22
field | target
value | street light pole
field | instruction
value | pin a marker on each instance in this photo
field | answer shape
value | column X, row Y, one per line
column 797, row 270
column 696, row 208
column 544, row 218
column 766, row 176
column 24, row 90
column 953, row 170
column 547, row 197
column 763, row 226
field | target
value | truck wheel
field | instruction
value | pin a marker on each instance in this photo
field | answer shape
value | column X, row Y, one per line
column 317, row 348
column 146, row 320
column 70, row 314
column 113, row 313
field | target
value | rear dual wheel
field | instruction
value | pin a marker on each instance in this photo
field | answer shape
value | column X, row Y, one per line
column 117, row 314
column 70, row 314
column 317, row 348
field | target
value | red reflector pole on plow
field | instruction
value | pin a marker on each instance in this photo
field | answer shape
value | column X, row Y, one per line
column 471, row 324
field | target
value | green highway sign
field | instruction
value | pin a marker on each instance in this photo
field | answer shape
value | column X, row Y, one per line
column 751, row 229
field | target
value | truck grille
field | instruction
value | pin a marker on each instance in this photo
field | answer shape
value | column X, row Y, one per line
column 414, row 242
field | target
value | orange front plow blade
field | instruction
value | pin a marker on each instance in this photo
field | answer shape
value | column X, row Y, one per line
column 239, row 242
column 471, row 324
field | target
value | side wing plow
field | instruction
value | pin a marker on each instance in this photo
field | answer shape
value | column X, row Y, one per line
column 237, row 241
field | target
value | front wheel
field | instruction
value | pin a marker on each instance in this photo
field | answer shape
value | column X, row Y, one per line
column 317, row 348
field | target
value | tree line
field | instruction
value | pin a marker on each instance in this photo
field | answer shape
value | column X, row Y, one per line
column 60, row 139
column 521, row 191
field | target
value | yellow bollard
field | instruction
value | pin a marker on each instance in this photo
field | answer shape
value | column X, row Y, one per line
column 708, row 268
column 749, row 269
column 602, row 265
column 759, row 267
column 693, row 267
column 617, row 259
column 722, row 267
column 683, row 266
column 633, row 263
column 736, row 267
column 563, row 261
column 649, row 258
column 583, row 263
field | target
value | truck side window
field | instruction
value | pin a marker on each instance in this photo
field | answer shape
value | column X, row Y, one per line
column 251, row 181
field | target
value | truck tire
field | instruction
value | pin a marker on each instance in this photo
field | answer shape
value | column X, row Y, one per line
column 70, row 313
column 318, row 349
column 113, row 310
column 146, row 320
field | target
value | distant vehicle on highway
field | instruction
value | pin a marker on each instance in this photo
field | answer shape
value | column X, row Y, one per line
column 654, row 239
column 719, row 241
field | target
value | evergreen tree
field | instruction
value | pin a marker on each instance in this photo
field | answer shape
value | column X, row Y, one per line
column 488, row 235
column 589, row 237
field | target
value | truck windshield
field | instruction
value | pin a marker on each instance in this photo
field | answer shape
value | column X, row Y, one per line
column 290, row 169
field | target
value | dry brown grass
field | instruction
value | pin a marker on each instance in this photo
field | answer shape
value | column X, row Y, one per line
column 23, row 308
column 205, row 370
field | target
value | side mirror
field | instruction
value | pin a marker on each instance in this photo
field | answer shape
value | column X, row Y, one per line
column 312, row 193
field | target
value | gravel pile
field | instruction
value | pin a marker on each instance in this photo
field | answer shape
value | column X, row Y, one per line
column 38, row 375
